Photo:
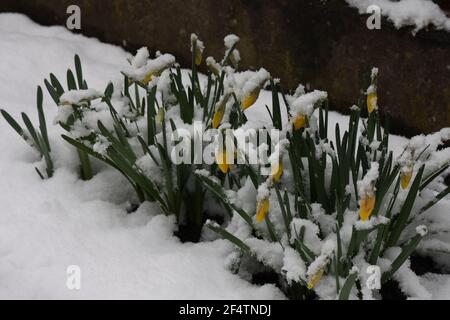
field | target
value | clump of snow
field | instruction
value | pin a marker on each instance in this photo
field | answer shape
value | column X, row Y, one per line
column 199, row 43
column 311, row 235
column 371, row 223
column 256, row 81
column 305, row 103
column 101, row 145
column 417, row 13
column 323, row 259
column 139, row 69
column 269, row 253
column 422, row 230
column 293, row 266
column 213, row 65
column 366, row 186
column 140, row 59
column 79, row 96
column 230, row 40
column 263, row 192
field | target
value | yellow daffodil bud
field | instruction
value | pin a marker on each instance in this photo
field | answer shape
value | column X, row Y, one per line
column 217, row 118
column 249, row 99
column 372, row 99
column 299, row 122
column 261, row 210
column 315, row 279
column 220, row 110
column 405, row 177
column 148, row 77
column 197, row 48
column 198, row 57
column 213, row 66
column 366, row 205
column 221, row 160
column 159, row 116
column 277, row 171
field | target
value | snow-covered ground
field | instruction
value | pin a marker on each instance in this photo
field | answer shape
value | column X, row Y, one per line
column 46, row 226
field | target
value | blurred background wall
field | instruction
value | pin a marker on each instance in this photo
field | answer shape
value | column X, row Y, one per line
column 323, row 44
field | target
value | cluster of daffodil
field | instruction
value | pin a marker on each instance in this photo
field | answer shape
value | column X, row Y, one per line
column 337, row 207
column 327, row 209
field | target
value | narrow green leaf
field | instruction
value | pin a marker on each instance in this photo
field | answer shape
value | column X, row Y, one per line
column 228, row 236
column 79, row 72
column 42, row 123
column 404, row 254
column 347, row 287
column 13, row 123
column 405, row 212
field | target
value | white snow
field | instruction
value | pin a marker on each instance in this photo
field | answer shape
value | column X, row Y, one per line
column 305, row 103
column 417, row 13
column 230, row 40
column 256, row 81
column 366, row 185
column 78, row 96
column 293, row 266
column 139, row 69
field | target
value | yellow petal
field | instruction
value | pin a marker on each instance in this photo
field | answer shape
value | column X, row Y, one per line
column 261, row 210
column 250, row 99
column 198, row 57
column 159, row 116
column 405, row 178
column 221, row 160
column 315, row 279
column 217, row 118
column 277, row 171
column 372, row 99
column 366, row 206
column 147, row 79
column 299, row 122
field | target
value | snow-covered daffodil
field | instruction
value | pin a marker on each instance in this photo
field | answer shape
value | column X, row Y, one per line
column 261, row 209
column 372, row 99
column 277, row 171
column 405, row 176
column 221, row 160
column 249, row 99
column 315, row 279
column 366, row 205
column 299, row 122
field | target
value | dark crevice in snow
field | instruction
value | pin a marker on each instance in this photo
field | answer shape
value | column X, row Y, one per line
column 424, row 264
column 391, row 291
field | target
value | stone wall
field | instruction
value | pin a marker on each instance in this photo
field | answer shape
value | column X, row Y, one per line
column 324, row 45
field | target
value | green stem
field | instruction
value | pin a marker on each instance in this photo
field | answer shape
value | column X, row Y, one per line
column 85, row 165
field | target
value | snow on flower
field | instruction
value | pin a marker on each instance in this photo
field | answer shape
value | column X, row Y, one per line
column 293, row 266
column 144, row 69
column 79, row 96
column 306, row 103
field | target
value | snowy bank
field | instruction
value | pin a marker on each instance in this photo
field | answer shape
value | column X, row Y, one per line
column 46, row 226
